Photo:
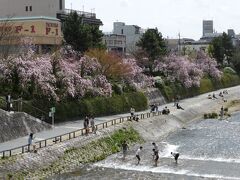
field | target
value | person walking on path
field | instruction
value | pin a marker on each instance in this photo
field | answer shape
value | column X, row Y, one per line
column 125, row 147
column 138, row 154
column 155, row 157
column 8, row 102
column 175, row 155
column 30, row 141
column 92, row 123
column 86, row 124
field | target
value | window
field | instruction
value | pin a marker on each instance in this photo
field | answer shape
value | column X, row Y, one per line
column 60, row 4
column 26, row 8
column 122, row 31
column 30, row 8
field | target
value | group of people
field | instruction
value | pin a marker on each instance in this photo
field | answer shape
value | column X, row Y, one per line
column 166, row 111
column 154, row 108
column 89, row 122
column 155, row 154
column 221, row 95
column 133, row 116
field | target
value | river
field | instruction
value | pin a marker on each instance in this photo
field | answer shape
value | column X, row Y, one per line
column 209, row 149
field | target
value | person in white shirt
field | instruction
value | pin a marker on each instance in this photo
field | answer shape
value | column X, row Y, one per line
column 138, row 154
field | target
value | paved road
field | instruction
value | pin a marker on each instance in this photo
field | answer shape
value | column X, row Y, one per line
column 63, row 128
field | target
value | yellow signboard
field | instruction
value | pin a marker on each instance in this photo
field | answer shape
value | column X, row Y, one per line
column 42, row 31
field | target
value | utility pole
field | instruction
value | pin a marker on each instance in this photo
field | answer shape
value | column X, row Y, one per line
column 179, row 44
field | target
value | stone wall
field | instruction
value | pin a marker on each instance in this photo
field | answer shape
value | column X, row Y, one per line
column 19, row 124
column 154, row 96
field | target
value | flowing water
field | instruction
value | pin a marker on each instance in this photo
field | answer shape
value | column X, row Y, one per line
column 209, row 149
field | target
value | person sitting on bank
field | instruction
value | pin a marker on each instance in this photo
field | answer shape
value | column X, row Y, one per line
column 179, row 107
column 136, row 118
column 214, row 97
column 209, row 96
column 221, row 94
column 152, row 108
column 165, row 111
column 225, row 92
column 132, row 111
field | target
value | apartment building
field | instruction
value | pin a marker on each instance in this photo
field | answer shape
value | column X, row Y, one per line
column 133, row 34
column 115, row 43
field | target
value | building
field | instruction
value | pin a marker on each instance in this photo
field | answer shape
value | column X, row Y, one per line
column 47, row 8
column 115, row 43
column 133, row 34
column 194, row 46
column 45, row 32
column 38, row 19
column 176, row 45
column 31, row 8
column 87, row 17
column 207, row 27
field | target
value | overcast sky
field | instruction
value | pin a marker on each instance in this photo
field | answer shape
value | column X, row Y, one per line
column 169, row 16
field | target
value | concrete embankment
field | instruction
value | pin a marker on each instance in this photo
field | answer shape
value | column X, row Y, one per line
column 15, row 125
column 194, row 108
column 150, row 129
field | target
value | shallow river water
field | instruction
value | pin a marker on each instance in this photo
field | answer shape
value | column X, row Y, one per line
column 209, row 149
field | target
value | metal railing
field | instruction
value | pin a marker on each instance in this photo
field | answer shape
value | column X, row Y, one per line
column 80, row 13
column 67, row 136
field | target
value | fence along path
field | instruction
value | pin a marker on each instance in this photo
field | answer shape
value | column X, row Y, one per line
column 67, row 136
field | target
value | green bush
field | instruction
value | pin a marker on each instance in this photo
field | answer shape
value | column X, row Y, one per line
column 98, row 106
column 229, row 80
column 212, row 115
column 229, row 70
column 206, row 86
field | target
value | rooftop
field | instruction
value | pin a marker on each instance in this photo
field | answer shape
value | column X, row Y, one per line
column 29, row 18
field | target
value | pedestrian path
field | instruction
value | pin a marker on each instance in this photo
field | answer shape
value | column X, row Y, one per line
column 68, row 127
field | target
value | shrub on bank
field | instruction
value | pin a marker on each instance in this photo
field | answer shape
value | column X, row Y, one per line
column 212, row 115
column 171, row 90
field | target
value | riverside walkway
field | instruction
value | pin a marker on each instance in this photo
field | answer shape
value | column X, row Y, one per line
column 64, row 128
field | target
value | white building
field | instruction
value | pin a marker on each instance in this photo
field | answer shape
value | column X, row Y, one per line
column 132, row 32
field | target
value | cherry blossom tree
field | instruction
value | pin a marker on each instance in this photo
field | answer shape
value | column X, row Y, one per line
column 186, row 70
column 208, row 65
column 80, row 75
column 26, row 72
column 66, row 73
column 135, row 75
column 180, row 68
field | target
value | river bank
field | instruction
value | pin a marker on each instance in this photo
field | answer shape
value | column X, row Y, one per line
column 42, row 164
